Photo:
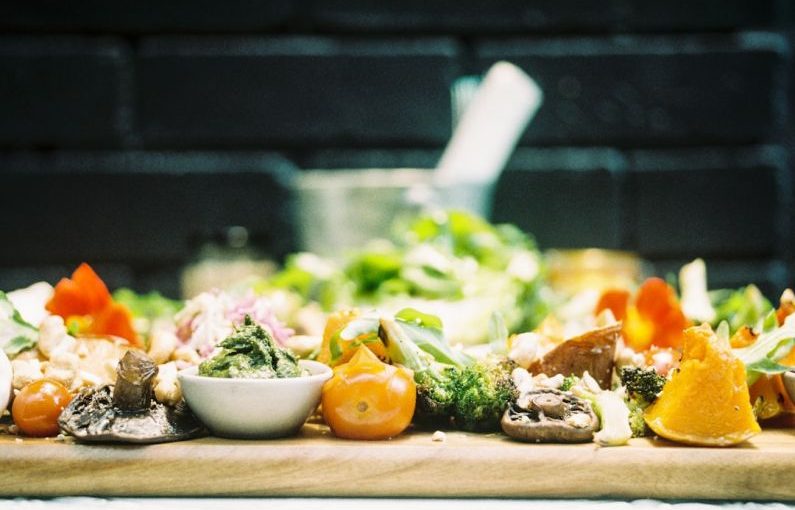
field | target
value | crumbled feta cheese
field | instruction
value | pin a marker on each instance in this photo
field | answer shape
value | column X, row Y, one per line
column 439, row 437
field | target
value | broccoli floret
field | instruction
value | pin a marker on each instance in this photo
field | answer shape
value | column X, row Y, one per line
column 569, row 382
column 435, row 395
column 482, row 393
column 642, row 384
column 435, row 381
column 472, row 394
column 636, row 421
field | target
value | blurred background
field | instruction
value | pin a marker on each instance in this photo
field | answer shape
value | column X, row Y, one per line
column 139, row 135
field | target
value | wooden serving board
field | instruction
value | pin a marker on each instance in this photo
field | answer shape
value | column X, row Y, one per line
column 464, row 465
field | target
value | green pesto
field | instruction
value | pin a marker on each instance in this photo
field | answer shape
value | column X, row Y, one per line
column 251, row 353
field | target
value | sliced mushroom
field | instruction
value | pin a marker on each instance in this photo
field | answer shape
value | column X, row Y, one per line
column 127, row 412
column 550, row 416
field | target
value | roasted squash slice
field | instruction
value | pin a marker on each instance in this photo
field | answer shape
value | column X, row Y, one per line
column 706, row 402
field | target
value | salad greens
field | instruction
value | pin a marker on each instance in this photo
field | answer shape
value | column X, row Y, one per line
column 451, row 387
column 741, row 307
column 773, row 343
column 453, row 264
column 16, row 335
column 151, row 306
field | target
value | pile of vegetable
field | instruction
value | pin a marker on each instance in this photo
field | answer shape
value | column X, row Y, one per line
column 396, row 322
column 451, row 264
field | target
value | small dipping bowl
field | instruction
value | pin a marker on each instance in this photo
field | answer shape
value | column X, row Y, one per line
column 789, row 383
column 254, row 408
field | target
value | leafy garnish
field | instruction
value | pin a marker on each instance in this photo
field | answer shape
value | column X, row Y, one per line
column 19, row 344
column 16, row 334
column 762, row 356
column 425, row 320
column 498, row 333
column 742, row 307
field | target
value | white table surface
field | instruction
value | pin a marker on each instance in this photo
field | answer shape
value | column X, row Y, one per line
column 366, row 504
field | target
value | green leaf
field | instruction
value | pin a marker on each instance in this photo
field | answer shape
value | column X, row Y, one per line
column 19, row 344
column 498, row 333
column 152, row 305
column 16, row 334
column 432, row 341
column 770, row 322
column 742, row 307
column 366, row 325
column 73, row 327
column 768, row 348
column 723, row 331
column 425, row 320
column 334, row 348
column 768, row 367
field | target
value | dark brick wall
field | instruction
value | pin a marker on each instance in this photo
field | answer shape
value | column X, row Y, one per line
column 133, row 131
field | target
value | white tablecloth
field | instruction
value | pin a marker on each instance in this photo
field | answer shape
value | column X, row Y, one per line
column 368, row 504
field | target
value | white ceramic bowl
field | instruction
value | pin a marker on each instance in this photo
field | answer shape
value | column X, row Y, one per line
column 789, row 383
column 254, row 408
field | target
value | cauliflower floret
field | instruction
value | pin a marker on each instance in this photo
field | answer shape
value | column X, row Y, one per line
column 167, row 389
column 25, row 372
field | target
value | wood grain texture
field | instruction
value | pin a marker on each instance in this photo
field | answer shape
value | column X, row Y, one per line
column 465, row 465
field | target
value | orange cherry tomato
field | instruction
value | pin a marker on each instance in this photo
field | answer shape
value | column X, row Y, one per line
column 37, row 407
column 368, row 399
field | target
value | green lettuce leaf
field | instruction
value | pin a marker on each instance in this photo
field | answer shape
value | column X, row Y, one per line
column 16, row 335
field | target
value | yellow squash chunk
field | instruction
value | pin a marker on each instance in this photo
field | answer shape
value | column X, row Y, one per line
column 706, row 402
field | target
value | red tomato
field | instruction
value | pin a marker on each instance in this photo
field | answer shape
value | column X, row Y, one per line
column 37, row 407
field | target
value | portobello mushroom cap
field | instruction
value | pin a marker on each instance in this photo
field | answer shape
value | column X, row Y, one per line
column 126, row 412
column 591, row 352
column 550, row 416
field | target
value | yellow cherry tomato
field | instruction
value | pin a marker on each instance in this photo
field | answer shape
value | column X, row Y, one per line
column 368, row 399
